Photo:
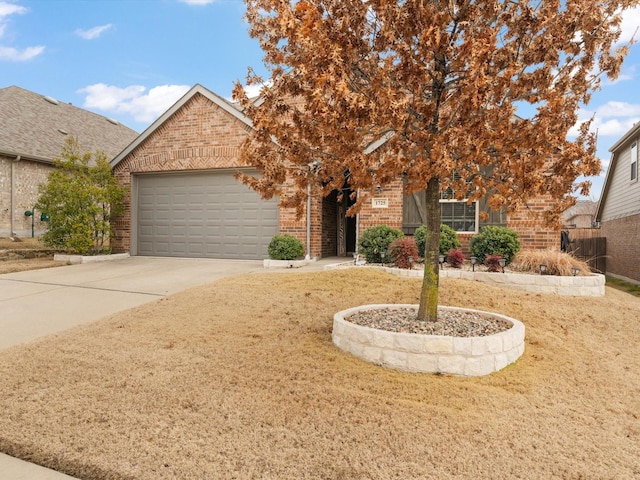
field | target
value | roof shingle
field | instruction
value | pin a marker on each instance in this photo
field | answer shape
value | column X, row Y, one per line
column 36, row 127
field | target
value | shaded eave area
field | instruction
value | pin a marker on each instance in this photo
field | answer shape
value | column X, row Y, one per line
column 24, row 156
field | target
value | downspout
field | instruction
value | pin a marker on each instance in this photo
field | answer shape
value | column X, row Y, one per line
column 13, row 198
column 308, row 255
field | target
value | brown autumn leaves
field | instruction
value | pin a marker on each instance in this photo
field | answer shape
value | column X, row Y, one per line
column 364, row 92
column 439, row 84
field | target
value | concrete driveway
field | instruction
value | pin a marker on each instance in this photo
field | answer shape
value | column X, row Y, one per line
column 37, row 303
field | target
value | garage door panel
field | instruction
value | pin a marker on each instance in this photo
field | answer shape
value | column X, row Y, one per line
column 205, row 214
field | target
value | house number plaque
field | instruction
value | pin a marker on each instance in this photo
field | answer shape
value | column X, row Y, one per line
column 380, row 203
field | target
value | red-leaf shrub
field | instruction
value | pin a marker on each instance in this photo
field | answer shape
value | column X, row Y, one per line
column 455, row 258
column 403, row 252
column 493, row 263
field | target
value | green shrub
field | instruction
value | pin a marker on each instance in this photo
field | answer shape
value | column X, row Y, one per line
column 403, row 252
column 375, row 240
column 80, row 198
column 448, row 239
column 501, row 241
column 285, row 247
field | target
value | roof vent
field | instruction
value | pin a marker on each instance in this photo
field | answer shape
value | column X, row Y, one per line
column 51, row 100
column 64, row 132
column 111, row 120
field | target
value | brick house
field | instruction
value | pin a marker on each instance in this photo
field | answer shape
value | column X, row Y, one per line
column 33, row 129
column 184, row 200
column 619, row 208
column 581, row 215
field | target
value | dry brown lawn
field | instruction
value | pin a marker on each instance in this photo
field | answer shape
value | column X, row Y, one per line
column 22, row 243
column 239, row 379
column 21, row 264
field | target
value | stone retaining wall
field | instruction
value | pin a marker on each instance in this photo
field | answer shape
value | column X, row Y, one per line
column 578, row 286
column 17, row 254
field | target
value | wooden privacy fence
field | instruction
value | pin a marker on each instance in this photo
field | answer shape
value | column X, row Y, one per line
column 575, row 233
column 587, row 244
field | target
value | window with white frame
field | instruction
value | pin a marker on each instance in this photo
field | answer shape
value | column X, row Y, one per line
column 634, row 162
column 460, row 215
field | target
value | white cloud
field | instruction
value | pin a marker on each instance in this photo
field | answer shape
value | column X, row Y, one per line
column 94, row 32
column 630, row 23
column 614, row 127
column 7, row 9
column 618, row 109
column 252, row 90
column 197, row 2
column 612, row 119
column 134, row 100
column 13, row 54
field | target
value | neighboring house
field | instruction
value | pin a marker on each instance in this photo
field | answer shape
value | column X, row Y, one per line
column 184, row 200
column 581, row 215
column 33, row 129
column 619, row 208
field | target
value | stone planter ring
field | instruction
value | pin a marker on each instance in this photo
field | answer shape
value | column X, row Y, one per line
column 413, row 352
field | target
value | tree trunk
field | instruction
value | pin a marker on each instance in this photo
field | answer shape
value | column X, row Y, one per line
column 428, row 311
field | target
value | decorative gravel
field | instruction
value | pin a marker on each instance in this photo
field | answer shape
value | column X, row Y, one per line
column 450, row 323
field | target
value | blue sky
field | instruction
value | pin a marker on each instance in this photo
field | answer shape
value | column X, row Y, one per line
column 132, row 59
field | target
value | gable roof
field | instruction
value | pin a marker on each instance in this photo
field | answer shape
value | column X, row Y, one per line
column 36, row 126
column 196, row 89
column 620, row 144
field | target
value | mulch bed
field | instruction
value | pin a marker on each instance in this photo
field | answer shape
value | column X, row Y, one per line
column 453, row 323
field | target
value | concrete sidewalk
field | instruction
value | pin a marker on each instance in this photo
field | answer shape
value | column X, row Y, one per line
column 38, row 303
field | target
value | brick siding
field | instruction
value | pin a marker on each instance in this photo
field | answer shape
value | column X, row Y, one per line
column 203, row 136
column 199, row 136
column 623, row 246
column 28, row 176
column 534, row 234
column 391, row 215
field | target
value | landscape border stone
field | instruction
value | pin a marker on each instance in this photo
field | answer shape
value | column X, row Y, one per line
column 75, row 259
column 592, row 285
column 414, row 352
column 268, row 263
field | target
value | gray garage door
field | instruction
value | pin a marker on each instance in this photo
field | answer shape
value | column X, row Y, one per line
column 202, row 214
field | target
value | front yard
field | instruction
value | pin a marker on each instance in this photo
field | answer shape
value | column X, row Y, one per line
column 240, row 379
column 26, row 254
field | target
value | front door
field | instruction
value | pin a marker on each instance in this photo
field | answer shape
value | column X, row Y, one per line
column 346, row 228
column 342, row 229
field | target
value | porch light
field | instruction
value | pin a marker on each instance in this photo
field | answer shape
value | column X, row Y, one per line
column 502, row 263
column 543, row 268
column 474, row 260
column 575, row 271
